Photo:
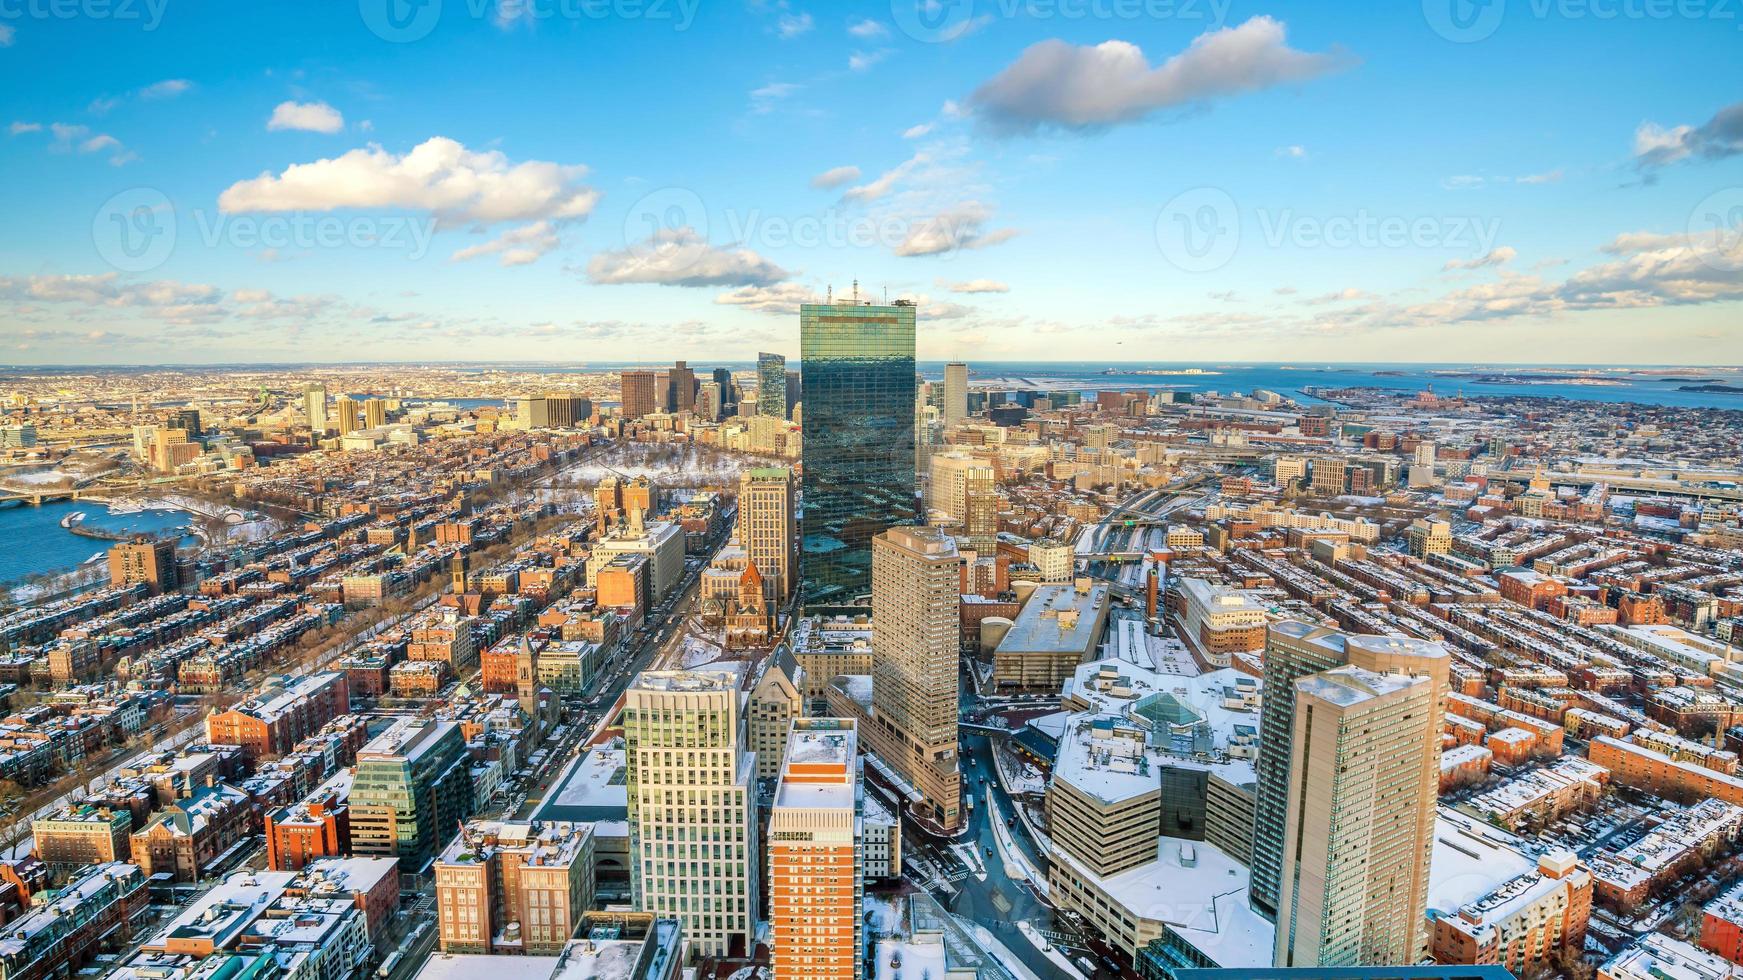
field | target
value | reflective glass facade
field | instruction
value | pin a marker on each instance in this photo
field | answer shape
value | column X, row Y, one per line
column 772, row 385
column 859, row 382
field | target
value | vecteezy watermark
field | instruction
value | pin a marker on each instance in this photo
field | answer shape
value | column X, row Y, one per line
column 1469, row 21
column 138, row 229
column 1201, row 230
column 673, row 224
column 936, row 21
column 135, row 231
column 404, row 21
column 148, row 13
column 1715, row 230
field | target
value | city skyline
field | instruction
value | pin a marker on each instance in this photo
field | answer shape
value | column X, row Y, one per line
column 1208, row 194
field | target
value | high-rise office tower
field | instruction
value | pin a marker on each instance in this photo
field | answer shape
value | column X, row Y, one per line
column 772, row 385
column 795, row 391
column 816, row 870
column 1294, row 650
column 567, row 410
column 955, row 392
column 315, row 406
column 916, row 595
column 728, row 404
column 680, row 388
column 1363, row 775
column 347, row 408
column 640, row 394
column 768, row 527
column 692, row 806
column 374, row 413
column 858, row 364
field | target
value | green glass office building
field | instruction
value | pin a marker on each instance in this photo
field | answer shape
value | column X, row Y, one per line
column 858, row 375
column 772, row 385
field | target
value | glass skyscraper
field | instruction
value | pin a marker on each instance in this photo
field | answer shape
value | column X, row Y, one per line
column 858, row 375
column 772, row 385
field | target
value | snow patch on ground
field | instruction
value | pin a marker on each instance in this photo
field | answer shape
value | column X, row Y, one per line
column 999, row 951
column 1017, row 866
column 970, row 858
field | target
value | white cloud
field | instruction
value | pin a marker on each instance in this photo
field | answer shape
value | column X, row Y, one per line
column 835, row 177
column 1292, row 152
column 109, row 290
column 1715, row 139
column 1347, row 295
column 915, row 132
column 517, row 246
column 69, row 137
column 958, row 227
column 169, row 88
column 19, row 128
column 763, row 100
column 309, row 117
column 866, row 193
column 440, row 176
column 7, row 33
column 868, row 30
column 1054, row 84
column 976, row 286
column 1550, row 177
column 681, row 258
column 862, row 60
column 781, row 299
column 789, row 26
column 939, row 310
column 1499, row 256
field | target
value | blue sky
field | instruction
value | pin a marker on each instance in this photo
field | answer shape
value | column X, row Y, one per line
column 608, row 180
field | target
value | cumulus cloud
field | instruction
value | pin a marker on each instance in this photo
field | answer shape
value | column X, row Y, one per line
column 439, row 176
column 308, row 117
column 916, row 131
column 780, row 299
column 1715, row 139
column 1499, row 256
column 790, row 26
column 959, row 227
column 681, row 258
column 976, row 286
column 868, row 30
column 1347, row 295
column 938, row 310
column 517, row 246
column 1057, row 85
column 18, row 128
column 1292, row 152
column 835, row 177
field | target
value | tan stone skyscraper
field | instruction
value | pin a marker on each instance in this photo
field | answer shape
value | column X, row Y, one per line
column 1365, row 757
column 1293, row 650
column 965, row 487
column 767, row 528
column 955, row 393
column 916, row 592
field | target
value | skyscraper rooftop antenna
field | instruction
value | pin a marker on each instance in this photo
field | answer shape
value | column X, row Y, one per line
column 829, row 296
column 856, row 292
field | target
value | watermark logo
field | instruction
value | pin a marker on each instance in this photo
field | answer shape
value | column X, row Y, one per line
column 138, row 229
column 1202, row 229
column 135, row 231
column 1464, row 21
column 937, row 21
column 404, row 21
column 1199, row 230
column 147, row 13
column 932, row 21
column 400, row 21
column 1715, row 230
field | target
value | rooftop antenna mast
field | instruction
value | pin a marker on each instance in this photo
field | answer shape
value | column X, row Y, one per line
column 829, row 296
column 856, row 292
